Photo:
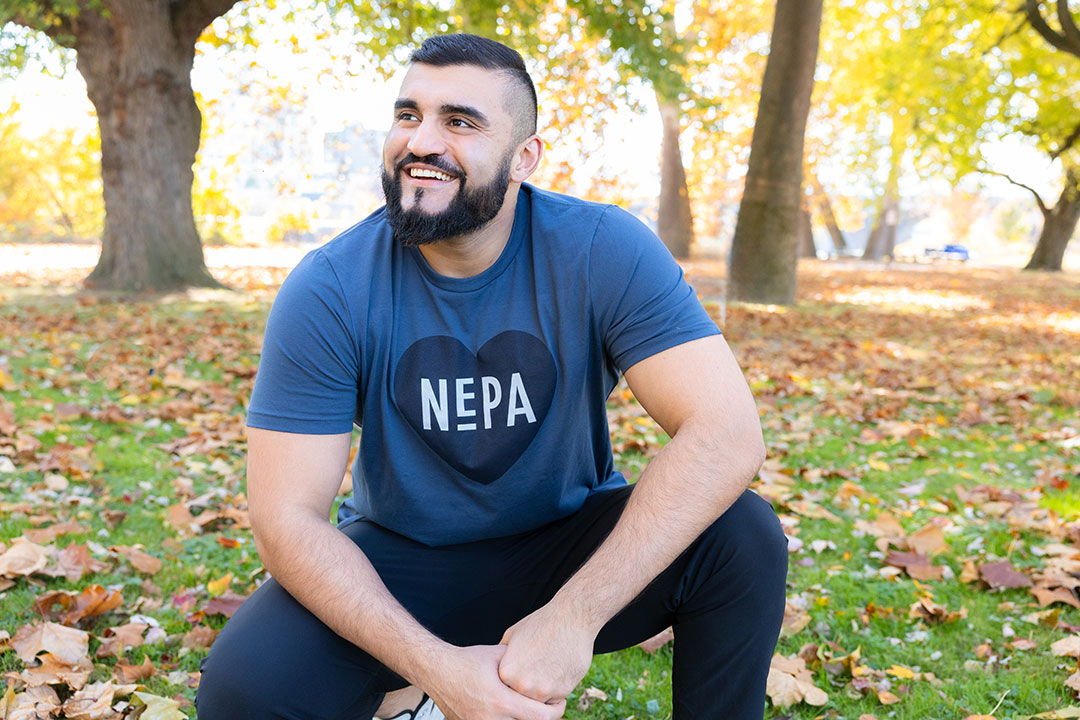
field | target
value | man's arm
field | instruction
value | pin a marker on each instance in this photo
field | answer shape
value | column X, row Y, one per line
column 292, row 481
column 697, row 394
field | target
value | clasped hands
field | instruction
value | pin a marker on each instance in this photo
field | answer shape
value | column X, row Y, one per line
column 539, row 661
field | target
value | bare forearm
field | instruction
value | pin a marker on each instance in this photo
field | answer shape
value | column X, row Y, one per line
column 328, row 574
column 689, row 484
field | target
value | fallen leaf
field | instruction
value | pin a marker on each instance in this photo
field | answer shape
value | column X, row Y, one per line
column 93, row 702
column 51, row 670
column 1047, row 596
column 219, row 586
column 159, row 708
column 93, row 600
column 200, row 637
column 126, row 673
column 68, row 644
column 1002, row 575
column 140, row 560
column 589, row 696
column 929, row 540
column 24, row 557
column 1067, row 647
column 790, row 682
column 47, row 535
column 887, row 698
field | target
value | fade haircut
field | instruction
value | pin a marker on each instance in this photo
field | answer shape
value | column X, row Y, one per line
column 466, row 49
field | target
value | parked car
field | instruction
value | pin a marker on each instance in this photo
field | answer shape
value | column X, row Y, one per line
column 952, row 251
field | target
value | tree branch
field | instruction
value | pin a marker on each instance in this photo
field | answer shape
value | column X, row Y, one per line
column 1049, row 34
column 1068, row 27
column 1068, row 143
column 190, row 17
column 1038, row 198
column 55, row 25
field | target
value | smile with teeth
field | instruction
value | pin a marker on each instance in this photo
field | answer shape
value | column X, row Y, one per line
column 425, row 173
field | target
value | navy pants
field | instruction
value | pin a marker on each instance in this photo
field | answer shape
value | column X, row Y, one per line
column 724, row 596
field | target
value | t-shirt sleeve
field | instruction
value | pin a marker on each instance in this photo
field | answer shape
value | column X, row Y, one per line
column 308, row 373
column 640, row 297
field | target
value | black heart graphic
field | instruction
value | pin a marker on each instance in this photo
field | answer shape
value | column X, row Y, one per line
column 478, row 412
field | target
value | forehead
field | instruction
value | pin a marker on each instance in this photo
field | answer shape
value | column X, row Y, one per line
column 432, row 87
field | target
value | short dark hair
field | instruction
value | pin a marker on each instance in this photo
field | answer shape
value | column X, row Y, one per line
column 466, row 49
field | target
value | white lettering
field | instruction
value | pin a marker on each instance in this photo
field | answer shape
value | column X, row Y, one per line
column 519, row 402
column 462, row 396
column 492, row 397
column 430, row 404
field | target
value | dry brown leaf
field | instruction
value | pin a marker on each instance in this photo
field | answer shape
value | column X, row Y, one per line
column 230, row 602
column 200, row 637
column 1074, row 681
column 969, row 573
column 67, row 644
column 53, row 671
column 140, row 560
column 795, row 619
column 73, row 562
column 915, row 565
column 93, row 600
column 1047, row 596
column 182, row 520
column 36, row 702
column 125, row 673
column 790, row 682
column 1003, row 575
column 887, row 698
column 93, row 702
column 934, row 614
column 42, row 536
column 24, row 557
column 929, row 540
column 1066, row 647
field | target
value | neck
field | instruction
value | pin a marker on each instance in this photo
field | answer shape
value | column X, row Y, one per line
column 465, row 256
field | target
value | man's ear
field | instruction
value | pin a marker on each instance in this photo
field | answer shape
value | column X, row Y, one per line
column 526, row 159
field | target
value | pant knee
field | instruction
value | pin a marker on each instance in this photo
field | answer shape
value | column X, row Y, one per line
column 750, row 548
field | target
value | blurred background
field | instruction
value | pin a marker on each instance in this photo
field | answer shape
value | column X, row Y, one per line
column 932, row 124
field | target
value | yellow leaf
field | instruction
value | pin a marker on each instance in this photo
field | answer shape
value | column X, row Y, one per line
column 219, row 586
column 879, row 465
column 130, row 400
column 887, row 698
column 901, row 672
column 159, row 708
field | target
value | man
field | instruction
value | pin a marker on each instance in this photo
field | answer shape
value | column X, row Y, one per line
column 474, row 327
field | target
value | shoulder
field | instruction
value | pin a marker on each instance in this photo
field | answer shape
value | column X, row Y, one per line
column 577, row 220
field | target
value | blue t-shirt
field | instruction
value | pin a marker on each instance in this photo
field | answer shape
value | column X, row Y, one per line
column 482, row 399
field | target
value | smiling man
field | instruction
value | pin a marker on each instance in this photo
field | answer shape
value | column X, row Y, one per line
column 474, row 327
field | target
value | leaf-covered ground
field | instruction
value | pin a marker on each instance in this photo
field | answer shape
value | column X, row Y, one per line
column 924, row 435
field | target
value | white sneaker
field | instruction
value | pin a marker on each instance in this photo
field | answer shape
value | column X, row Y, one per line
column 426, row 710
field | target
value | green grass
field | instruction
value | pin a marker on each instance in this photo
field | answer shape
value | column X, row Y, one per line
column 826, row 376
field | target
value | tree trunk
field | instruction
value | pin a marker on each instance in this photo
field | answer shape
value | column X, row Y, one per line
column 807, row 249
column 137, row 66
column 1059, row 225
column 825, row 206
column 675, row 224
column 882, row 240
column 763, row 251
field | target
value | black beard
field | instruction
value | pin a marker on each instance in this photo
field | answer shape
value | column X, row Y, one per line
column 469, row 210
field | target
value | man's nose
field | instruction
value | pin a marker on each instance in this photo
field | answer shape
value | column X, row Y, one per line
column 427, row 139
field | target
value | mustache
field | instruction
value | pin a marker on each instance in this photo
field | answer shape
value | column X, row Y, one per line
column 435, row 161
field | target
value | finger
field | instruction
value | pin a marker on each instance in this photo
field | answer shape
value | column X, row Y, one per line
column 525, row 708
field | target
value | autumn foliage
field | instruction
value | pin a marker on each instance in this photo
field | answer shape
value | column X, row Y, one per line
column 923, row 436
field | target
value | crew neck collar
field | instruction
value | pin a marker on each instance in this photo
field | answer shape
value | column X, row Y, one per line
column 475, row 282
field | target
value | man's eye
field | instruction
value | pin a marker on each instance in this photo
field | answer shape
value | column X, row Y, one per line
column 406, row 116
column 459, row 122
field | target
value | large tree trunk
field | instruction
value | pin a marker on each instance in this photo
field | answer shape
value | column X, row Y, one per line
column 137, row 65
column 1059, row 225
column 675, row 224
column 763, row 252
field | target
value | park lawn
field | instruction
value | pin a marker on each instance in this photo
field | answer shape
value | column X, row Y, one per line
column 924, row 409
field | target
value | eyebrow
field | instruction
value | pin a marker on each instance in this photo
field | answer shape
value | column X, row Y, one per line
column 447, row 109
